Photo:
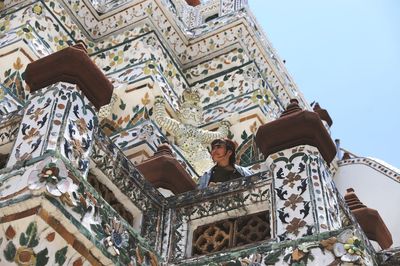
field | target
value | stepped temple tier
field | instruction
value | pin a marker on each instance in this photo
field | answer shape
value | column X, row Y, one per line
column 109, row 112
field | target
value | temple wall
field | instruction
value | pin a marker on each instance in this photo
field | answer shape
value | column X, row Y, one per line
column 375, row 189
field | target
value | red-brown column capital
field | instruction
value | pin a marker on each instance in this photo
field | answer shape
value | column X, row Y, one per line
column 295, row 127
column 71, row 65
column 163, row 170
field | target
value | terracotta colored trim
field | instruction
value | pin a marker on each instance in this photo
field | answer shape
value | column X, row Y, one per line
column 295, row 127
column 10, row 123
column 22, row 50
column 71, row 65
column 15, row 193
column 251, row 117
column 148, row 82
column 67, row 236
column 19, row 215
column 57, row 226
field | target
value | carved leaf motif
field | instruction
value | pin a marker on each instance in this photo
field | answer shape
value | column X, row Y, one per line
column 33, row 132
column 272, row 258
column 9, row 252
column 295, row 225
column 60, row 255
column 328, row 243
column 253, row 127
column 291, row 179
column 42, row 258
column 122, row 105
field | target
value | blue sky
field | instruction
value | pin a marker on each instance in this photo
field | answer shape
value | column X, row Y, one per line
column 345, row 54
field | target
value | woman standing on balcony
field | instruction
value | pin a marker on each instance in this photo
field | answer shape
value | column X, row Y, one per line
column 224, row 156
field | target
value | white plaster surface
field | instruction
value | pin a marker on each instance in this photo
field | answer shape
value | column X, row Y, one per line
column 376, row 191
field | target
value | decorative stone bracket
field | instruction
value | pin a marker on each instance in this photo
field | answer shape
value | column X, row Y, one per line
column 369, row 219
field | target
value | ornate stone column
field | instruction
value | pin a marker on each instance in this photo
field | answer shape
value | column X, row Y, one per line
column 298, row 150
column 60, row 118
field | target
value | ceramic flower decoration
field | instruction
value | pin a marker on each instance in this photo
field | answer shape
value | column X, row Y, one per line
column 51, row 175
column 117, row 236
column 348, row 248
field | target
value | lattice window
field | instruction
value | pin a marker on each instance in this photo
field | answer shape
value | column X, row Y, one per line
column 248, row 152
column 108, row 196
column 229, row 233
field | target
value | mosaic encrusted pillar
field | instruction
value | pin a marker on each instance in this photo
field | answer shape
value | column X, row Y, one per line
column 59, row 119
column 305, row 201
column 298, row 150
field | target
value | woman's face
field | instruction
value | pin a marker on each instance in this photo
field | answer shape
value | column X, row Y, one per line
column 220, row 154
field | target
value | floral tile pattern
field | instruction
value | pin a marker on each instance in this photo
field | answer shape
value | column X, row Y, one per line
column 42, row 125
column 306, row 199
column 197, row 50
column 153, row 12
column 80, row 206
column 27, row 245
column 9, row 128
column 19, row 47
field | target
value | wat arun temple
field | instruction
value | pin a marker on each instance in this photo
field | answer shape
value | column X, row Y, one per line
column 107, row 112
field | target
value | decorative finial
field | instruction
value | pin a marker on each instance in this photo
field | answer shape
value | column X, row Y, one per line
column 293, row 107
